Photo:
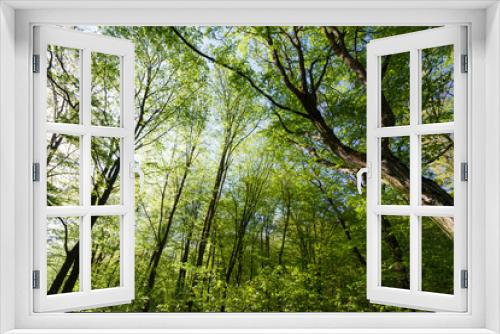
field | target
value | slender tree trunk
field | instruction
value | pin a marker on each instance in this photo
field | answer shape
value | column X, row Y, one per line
column 283, row 237
column 73, row 276
column 239, row 273
column 397, row 253
column 355, row 249
column 268, row 242
column 211, row 262
column 261, row 248
column 304, row 259
column 71, row 262
column 212, row 206
column 157, row 254
column 187, row 247
column 237, row 247
column 209, row 217
column 184, row 258
column 235, row 254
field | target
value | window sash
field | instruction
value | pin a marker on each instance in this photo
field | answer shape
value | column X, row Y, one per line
column 414, row 297
column 86, row 297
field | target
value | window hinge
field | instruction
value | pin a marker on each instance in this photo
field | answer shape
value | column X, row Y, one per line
column 36, row 63
column 36, row 172
column 464, row 279
column 464, row 171
column 465, row 64
column 36, row 279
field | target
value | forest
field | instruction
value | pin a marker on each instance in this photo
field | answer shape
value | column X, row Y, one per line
column 249, row 140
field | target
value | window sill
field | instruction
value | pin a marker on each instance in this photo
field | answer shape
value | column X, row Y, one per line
column 254, row 331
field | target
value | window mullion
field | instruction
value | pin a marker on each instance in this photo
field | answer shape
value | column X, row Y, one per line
column 127, row 277
column 86, row 241
column 415, row 173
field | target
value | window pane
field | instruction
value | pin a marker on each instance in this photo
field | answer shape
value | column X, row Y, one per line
column 437, row 84
column 437, row 254
column 63, row 84
column 105, row 89
column 437, row 167
column 395, row 189
column 63, row 170
column 105, row 170
column 63, row 236
column 395, row 251
column 105, row 252
column 395, row 82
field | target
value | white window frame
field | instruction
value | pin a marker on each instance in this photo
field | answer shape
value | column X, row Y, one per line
column 483, row 18
column 413, row 44
column 86, row 297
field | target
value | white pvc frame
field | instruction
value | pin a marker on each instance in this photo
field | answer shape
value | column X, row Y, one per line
column 484, row 250
column 86, row 297
column 413, row 43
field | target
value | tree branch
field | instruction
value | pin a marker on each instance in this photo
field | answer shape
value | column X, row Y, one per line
column 237, row 71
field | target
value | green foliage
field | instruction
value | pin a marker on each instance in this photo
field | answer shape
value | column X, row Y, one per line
column 288, row 232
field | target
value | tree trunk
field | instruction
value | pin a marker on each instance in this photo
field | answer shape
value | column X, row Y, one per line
column 397, row 254
column 211, row 210
column 71, row 262
column 155, row 259
column 212, row 206
column 285, row 229
column 184, row 258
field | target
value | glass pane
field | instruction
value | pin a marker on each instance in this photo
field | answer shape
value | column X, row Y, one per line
column 395, row 251
column 63, row 85
column 63, row 170
column 437, row 168
column 437, row 84
column 105, row 153
column 437, row 254
column 63, row 236
column 105, row 252
column 395, row 85
column 395, row 189
column 105, row 89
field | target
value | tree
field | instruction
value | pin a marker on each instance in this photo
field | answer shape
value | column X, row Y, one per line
column 302, row 68
column 238, row 121
column 192, row 139
column 250, row 203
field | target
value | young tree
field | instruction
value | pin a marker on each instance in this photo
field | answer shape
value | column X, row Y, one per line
column 238, row 118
